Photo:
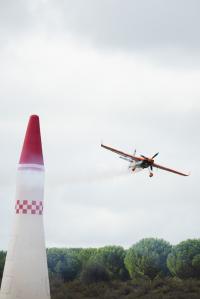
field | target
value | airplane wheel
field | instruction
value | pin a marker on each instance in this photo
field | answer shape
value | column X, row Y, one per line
column 151, row 174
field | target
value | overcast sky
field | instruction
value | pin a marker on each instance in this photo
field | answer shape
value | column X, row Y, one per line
column 125, row 72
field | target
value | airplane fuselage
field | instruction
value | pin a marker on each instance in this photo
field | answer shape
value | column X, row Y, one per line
column 143, row 164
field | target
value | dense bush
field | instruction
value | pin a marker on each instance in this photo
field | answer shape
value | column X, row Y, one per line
column 94, row 272
column 69, row 263
column 148, row 258
column 184, row 260
column 86, row 254
column 112, row 258
column 64, row 263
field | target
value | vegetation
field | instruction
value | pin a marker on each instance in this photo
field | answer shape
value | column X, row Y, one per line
column 64, row 263
column 184, row 259
column 150, row 269
column 148, row 258
column 94, row 272
column 112, row 258
column 165, row 288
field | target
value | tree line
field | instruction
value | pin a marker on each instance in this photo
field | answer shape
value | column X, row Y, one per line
column 148, row 258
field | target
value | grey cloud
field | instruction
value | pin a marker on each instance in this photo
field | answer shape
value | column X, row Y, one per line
column 159, row 31
column 133, row 24
column 128, row 24
column 15, row 19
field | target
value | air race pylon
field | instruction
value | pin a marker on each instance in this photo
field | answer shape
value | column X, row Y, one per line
column 25, row 273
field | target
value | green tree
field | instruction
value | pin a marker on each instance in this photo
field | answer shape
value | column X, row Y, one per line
column 64, row 263
column 68, row 268
column 148, row 258
column 112, row 258
column 184, row 260
column 85, row 254
column 93, row 273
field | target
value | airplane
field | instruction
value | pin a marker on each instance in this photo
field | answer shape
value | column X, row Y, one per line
column 142, row 162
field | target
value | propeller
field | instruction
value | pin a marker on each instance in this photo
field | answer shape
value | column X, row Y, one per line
column 151, row 161
column 151, row 166
column 155, row 155
column 149, row 158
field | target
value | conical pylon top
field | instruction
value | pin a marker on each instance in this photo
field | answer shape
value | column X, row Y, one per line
column 32, row 147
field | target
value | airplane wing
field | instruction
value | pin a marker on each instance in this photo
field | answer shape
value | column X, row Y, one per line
column 133, row 158
column 169, row 169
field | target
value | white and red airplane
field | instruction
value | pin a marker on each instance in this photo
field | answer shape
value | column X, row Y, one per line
column 142, row 162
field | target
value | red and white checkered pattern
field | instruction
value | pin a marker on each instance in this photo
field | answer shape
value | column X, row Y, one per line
column 33, row 207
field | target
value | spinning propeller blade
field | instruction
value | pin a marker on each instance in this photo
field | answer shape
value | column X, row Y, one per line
column 155, row 155
column 151, row 162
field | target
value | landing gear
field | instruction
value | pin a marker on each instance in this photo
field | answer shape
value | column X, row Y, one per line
column 150, row 170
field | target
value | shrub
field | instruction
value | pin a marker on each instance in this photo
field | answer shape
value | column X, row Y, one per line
column 112, row 258
column 94, row 272
column 86, row 254
column 64, row 263
column 68, row 268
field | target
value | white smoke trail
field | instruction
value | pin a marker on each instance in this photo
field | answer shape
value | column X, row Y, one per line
column 98, row 176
